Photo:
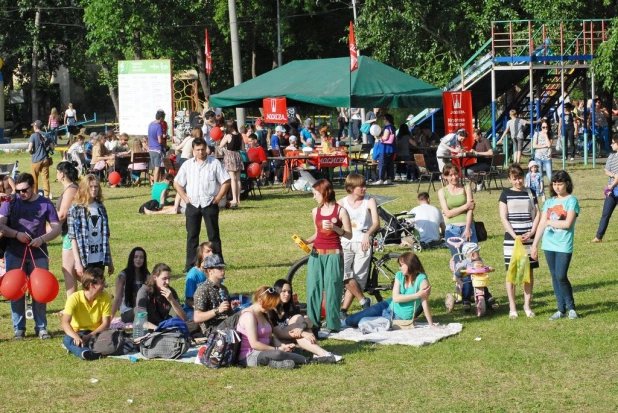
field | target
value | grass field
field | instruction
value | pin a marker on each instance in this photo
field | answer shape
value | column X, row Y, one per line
column 518, row 365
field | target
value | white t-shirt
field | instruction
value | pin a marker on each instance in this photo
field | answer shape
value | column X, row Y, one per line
column 360, row 219
column 95, row 234
column 76, row 148
column 428, row 219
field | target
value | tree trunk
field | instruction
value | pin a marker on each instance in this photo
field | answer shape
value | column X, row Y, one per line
column 201, row 73
column 112, row 93
column 35, row 65
column 137, row 45
column 253, row 52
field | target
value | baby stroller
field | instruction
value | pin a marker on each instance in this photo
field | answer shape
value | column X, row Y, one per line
column 396, row 228
column 479, row 277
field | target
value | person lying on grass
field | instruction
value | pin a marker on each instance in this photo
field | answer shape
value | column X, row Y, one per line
column 86, row 313
column 290, row 325
column 411, row 291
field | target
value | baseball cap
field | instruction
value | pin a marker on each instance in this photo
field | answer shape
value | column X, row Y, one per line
column 94, row 135
column 38, row 124
column 213, row 261
column 279, row 129
column 293, row 138
column 532, row 163
column 259, row 122
column 469, row 247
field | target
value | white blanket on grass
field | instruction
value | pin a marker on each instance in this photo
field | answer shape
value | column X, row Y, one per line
column 420, row 335
column 188, row 357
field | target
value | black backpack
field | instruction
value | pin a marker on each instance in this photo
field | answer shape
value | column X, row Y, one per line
column 111, row 342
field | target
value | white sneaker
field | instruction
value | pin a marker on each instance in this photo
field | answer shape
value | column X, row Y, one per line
column 572, row 159
column 378, row 182
column 337, row 357
column 388, row 182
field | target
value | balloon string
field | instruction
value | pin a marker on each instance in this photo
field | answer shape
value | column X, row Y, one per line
column 32, row 256
column 23, row 261
column 40, row 249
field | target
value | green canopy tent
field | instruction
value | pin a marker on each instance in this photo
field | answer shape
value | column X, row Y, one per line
column 326, row 82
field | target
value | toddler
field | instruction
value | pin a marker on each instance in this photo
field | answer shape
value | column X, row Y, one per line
column 534, row 180
column 470, row 251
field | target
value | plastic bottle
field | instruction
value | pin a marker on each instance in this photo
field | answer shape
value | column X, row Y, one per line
column 15, row 170
column 138, row 325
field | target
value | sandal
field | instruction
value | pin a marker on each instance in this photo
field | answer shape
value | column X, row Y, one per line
column 513, row 315
column 529, row 313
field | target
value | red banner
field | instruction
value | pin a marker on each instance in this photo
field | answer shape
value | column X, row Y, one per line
column 458, row 114
column 275, row 110
column 353, row 51
column 207, row 54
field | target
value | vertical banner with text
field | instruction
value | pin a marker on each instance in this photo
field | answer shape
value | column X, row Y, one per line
column 458, row 114
column 275, row 110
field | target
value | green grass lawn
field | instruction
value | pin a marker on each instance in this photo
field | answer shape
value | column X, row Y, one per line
column 518, row 365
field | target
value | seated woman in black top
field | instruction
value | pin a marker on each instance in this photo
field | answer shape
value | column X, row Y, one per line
column 289, row 324
column 158, row 298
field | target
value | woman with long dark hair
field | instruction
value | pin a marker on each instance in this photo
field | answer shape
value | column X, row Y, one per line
column 232, row 144
column 157, row 297
column 67, row 175
column 128, row 283
column 289, row 325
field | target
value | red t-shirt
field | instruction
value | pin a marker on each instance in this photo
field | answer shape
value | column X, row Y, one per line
column 257, row 154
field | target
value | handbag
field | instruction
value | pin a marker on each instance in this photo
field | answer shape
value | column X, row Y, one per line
column 481, row 232
column 365, row 128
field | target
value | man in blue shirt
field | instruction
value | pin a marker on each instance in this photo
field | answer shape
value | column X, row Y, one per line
column 38, row 146
column 155, row 141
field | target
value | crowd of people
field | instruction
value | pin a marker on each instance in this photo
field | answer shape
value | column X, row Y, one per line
column 272, row 328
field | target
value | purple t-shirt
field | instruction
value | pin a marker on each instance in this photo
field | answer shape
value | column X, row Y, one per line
column 31, row 218
column 154, row 131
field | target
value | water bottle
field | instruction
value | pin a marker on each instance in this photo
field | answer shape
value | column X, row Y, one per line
column 15, row 170
column 223, row 294
column 138, row 325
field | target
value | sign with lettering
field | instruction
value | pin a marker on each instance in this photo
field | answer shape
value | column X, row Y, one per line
column 275, row 110
column 458, row 111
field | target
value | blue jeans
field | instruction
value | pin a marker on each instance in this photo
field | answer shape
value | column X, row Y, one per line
column 381, row 309
column 545, row 165
column 386, row 168
column 608, row 209
column 558, row 263
column 18, row 307
column 457, row 231
column 76, row 350
column 604, row 132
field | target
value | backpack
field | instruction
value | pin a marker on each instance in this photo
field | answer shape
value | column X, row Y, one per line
column 174, row 323
column 221, row 349
column 111, row 342
column 164, row 344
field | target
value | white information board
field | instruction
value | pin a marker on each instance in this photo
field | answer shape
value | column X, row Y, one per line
column 144, row 86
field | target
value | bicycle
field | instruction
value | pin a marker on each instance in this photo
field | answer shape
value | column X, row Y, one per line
column 379, row 267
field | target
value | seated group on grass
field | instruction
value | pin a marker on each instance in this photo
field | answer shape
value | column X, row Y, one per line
column 272, row 329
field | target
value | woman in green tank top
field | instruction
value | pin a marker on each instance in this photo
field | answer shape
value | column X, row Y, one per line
column 457, row 207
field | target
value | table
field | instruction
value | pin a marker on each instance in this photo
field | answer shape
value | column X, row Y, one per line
column 464, row 160
column 318, row 160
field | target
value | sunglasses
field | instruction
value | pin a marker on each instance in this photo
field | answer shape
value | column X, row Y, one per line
column 269, row 290
column 22, row 191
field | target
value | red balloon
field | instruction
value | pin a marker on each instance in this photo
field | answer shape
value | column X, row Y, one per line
column 114, row 178
column 216, row 134
column 43, row 285
column 254, row 170
column 14, row 284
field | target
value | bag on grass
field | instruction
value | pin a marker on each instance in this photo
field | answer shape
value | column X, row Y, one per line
column 111, row 342
column 221, row 349
column 165, row 344
column 519, row 267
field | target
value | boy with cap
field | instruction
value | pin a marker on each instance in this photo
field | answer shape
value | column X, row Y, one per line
column 212, row 299
column 534, row 180
column 39, row 146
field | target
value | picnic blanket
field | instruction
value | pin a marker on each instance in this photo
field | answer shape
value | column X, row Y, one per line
column 419, row 336
column 188, row 357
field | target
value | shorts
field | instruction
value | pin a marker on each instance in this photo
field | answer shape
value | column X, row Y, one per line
column 66, row 243
column 155, row 159
column 355, row 262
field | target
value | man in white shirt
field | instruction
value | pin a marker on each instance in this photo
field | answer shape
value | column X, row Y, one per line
column 202, row 182
column 428, row 220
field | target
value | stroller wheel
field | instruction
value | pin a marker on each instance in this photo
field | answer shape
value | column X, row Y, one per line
column 449, row 303
column 416, row 247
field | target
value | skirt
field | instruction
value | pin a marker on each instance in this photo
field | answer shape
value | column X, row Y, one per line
column 232, row 161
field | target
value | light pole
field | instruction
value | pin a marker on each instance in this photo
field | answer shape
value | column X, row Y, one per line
column 279, row 57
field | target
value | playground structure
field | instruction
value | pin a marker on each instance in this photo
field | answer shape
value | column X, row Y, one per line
column 527, row 65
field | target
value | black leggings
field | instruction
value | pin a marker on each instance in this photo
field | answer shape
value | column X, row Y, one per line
column 265, row 357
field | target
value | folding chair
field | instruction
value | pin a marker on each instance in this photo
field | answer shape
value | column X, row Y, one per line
column 425, row 172
column 496, row 171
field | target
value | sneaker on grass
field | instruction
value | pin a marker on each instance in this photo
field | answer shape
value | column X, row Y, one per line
column 44, row 335
column 19, row 335
column 557, row 315
column 572, row 315
column 366, row 303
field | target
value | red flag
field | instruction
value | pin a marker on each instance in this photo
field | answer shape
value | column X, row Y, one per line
column 353, row 51
column 207, row 54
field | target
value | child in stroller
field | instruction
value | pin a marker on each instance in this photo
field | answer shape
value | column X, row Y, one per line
column 464, row 271
column 398, row 230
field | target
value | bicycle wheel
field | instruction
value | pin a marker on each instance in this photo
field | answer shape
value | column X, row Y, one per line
column 297, row 277
column 383, row 274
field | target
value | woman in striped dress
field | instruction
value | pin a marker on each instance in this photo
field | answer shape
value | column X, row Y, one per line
column 519, row 212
